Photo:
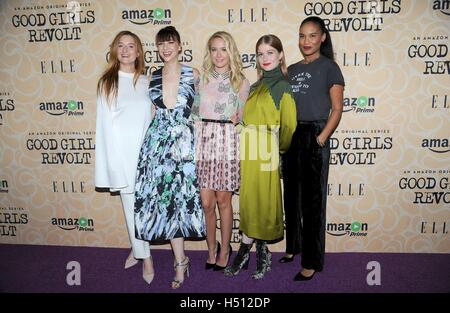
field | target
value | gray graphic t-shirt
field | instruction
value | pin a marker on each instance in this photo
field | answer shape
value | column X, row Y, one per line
column 311, row 85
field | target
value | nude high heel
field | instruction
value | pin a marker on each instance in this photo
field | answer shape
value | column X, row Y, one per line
column 148, row 277
column 130, row 261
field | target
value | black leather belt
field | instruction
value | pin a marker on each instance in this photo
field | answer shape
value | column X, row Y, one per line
column 217, row 121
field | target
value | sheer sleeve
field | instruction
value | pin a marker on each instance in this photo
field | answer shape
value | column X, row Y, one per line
column 242, row 97
column 195, row 113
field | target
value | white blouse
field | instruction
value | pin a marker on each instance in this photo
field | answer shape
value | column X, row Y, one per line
column 120, row 130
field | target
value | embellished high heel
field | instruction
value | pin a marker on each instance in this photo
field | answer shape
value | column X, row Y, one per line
column 209, row 266
column 263, row 260
column 218, row 268
column 130, row 261
column 185, row 263
column 240, row 261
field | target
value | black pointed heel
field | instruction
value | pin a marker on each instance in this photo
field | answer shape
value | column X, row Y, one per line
column 218, row 268
column 300, row 277
column 209, row 266
column 286, row 259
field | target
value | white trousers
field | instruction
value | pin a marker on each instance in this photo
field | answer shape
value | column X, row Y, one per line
column 141, row 248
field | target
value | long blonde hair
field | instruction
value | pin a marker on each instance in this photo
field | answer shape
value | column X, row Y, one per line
column 109, row 81
column 274, row 42
column 236, row 74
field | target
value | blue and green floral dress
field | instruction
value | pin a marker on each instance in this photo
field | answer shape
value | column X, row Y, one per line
column 168, row 201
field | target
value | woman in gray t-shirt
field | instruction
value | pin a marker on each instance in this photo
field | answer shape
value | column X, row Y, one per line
column 318, row 85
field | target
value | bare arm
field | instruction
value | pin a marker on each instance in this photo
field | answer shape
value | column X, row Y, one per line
column 337, row 96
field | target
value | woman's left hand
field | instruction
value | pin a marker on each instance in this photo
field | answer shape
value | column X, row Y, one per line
column 320, row 141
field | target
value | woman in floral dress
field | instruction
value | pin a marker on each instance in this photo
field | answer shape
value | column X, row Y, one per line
column 168, row 205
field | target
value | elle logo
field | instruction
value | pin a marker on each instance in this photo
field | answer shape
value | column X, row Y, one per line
column 355, row 59
column 247, row 15
column 60, row 66
column 439, row 102
column 68, row 186
column 433, row 228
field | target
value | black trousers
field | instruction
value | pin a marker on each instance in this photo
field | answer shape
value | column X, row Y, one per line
column 305, row 179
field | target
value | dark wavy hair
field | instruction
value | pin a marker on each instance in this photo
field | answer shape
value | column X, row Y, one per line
column 326, row 48
column 168, row 33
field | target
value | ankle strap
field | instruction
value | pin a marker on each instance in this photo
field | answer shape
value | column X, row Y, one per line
column 182, row 263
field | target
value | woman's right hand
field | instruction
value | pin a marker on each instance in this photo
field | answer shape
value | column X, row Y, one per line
column 235, row 118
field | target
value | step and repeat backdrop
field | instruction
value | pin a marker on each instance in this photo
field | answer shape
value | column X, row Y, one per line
column 389, row 187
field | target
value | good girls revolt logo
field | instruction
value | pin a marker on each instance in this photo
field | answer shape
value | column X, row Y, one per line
column 58, row 108
column 432, row 53
column 361, row 15
column 53, row 22
column 10, row 220
column 428, row 186
column 62, row 148
column 359, row 146
column 157, row 16
column 6, row 106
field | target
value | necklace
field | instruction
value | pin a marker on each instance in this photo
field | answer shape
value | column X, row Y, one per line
column 223, row 76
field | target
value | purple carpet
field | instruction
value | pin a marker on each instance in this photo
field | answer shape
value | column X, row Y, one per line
column 31, row 268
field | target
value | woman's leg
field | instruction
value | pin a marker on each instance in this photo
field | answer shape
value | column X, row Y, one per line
column 140, row 248
column 209, row 206
column 226, row 224
column 181, row 263
column 314, row 202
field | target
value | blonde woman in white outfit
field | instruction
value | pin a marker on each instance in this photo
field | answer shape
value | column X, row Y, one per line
column 123, row 116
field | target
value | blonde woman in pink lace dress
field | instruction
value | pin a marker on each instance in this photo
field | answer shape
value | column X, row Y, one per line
column 219, row 103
